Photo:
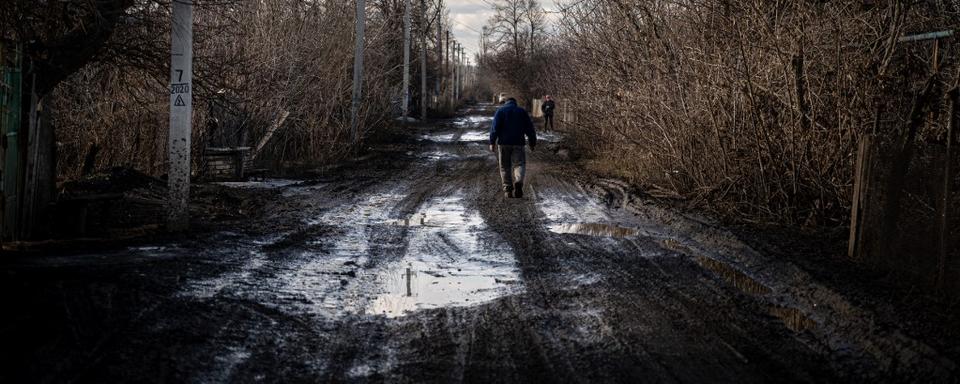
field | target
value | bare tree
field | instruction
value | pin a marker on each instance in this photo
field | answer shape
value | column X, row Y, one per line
column 514, row 32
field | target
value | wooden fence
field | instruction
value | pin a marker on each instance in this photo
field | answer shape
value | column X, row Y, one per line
column 905, row 207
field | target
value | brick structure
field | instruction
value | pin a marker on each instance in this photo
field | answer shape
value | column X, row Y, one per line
column 225, row 163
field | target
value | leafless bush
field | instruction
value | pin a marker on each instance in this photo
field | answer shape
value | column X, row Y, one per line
column 255, row 62
column 754, row 106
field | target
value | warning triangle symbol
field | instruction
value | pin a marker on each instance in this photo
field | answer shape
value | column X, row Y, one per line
column 179, row 102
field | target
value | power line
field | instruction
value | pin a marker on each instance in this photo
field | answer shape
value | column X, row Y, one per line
column 465, row 26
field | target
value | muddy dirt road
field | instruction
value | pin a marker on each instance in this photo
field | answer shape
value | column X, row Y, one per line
column 409, row 266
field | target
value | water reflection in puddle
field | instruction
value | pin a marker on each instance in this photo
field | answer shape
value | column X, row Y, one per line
column 580, row 214
column 571, row 209
column 373, row 209
column 438, row 137
column 439, row 155
column 475, row 136
column 474, row 120
column 464, row 130
column 451, row 260
column 549, row 137
column 356, row 259
column 465, row 137
column 595, row 229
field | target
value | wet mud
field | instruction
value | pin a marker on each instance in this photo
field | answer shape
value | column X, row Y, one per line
column 409, row 266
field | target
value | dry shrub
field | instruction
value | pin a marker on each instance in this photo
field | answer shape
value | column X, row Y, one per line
column 254, row 61
column 754, row 106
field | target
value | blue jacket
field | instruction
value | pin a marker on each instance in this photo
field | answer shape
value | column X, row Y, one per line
column 510, row 124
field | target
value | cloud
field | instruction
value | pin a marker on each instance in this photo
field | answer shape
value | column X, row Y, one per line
column 469, row 17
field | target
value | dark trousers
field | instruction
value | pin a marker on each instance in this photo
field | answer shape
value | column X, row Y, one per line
column 548, row 120
column 513, row 165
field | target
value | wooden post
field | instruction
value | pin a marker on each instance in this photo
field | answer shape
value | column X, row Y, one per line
column 861, row 182
column 39, row 189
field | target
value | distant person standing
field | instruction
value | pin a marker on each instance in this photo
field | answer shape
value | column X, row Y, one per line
column 547, row 108
column 508, row 133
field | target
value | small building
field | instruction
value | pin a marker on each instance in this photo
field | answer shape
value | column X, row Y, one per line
column 226, row 163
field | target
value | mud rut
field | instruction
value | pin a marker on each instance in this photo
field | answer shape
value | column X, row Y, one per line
column 408, row 265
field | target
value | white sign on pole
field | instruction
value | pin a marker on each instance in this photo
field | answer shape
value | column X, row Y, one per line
column 181, row 112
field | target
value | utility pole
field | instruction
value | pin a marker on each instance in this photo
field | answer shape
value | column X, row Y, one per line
column 455, row 74
column 463, row 68
column 483, row 44
column 423, row 60
column 357, row 75
column 406, row 60
column 181, row 113
column 456, row 81
column 439, row 49
column 448, row 71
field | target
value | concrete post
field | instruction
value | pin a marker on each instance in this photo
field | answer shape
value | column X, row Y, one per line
column 406, row 60
column 423, row 60
column 181, row 112
column 456, row 73
column 357, row 74
column 437, row 92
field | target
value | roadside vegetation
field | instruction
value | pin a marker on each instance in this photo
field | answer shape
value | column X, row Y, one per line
column 257, row 64
column 750, row 109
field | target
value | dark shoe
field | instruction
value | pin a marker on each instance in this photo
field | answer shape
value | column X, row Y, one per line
column 507, row 194
column 518, row 190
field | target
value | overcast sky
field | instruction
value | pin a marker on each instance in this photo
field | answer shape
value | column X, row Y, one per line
column 469, row 17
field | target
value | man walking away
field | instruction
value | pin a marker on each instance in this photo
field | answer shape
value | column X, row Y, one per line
column 547, row 108
column 511, row 127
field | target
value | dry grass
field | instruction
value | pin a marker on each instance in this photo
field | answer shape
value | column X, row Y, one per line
column 755, row 107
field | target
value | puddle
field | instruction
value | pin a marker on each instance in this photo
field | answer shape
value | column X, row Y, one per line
column 461, row 134
column 548, row 137
column 595, row 229
column 451, row 260
column 263, row 184
column 474, row 120
column 306, row 281
column 572, row 214
column 374, row 209
column 793, row 318
column 439, row 155
column 443, row 213
column 475, row 136
column 465, row 137
column 437, row 137
column 571, row 209
column 422, row 285
column 361, row 261
column 736, row 278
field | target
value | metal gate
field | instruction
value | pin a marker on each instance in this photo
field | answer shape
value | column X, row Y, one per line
column 10, row 85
